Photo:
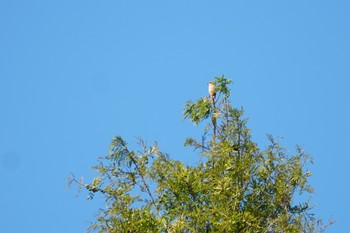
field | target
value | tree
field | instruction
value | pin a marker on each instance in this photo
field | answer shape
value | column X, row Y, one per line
column 235, row 187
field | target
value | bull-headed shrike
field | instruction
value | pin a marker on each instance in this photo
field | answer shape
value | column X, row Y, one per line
column 211, row 90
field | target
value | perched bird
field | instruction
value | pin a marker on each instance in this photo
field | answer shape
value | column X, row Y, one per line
column 211, row 90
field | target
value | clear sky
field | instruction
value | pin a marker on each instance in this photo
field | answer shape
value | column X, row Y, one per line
column 75, row 73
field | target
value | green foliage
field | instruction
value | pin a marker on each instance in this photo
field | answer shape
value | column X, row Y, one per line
column 222, row 85
column 236, row 186
column 197, row 111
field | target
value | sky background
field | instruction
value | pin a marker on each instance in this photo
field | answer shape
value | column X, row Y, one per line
column 75, row 73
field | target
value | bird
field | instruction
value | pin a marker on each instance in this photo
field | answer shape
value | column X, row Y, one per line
column 211, row 90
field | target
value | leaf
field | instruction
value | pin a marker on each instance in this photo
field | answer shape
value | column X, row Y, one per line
column 197, row 111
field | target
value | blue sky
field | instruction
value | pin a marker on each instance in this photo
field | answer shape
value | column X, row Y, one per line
column 73, row 74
